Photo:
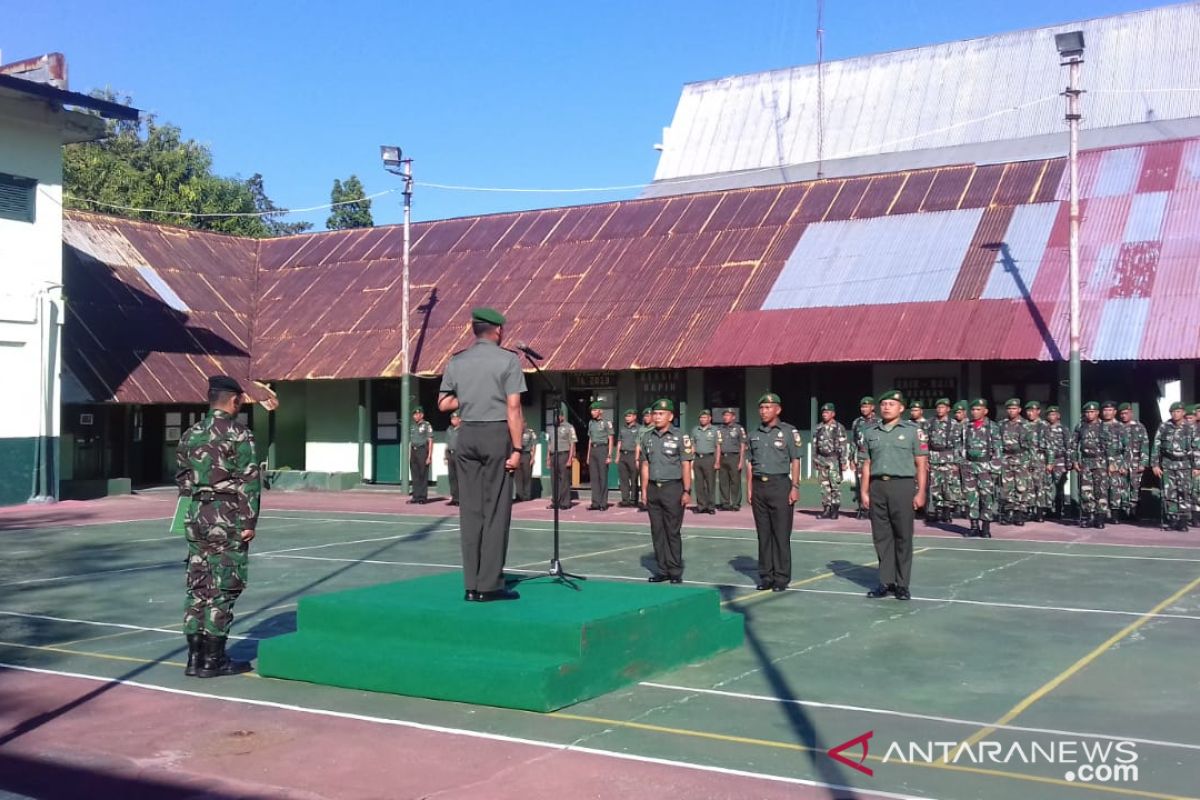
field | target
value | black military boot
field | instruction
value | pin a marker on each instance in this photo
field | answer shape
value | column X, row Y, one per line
column 1195, row 519
column 975, row 530
column 987, row 529
column 1098, row 521
column 1019, row 519
column 195, row 642
column 215, row 663
column 834, row 512
column 824, row 513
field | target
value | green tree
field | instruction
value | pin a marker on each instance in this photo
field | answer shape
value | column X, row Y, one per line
column 351, row 207
column 145, row 164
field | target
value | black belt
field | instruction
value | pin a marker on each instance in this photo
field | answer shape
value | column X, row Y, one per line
column 706, row 454
column 634, row 450
column 765, row 478
column 599, row 444
column 667, row 482
column 894, row 477
column 208, row 495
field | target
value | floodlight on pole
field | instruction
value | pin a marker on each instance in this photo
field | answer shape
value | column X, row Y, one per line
column 395, row 163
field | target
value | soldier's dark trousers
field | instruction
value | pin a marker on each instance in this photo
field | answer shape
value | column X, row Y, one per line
column 452, row 474
column 418, row 472
column 627, row 476
column 485, row 512
column 562, row 466
column 731, row 482
column 892, row 527
column 773, row 516
column 664, row 499
column 705, row 481
column 524, row 477
column 598, row 473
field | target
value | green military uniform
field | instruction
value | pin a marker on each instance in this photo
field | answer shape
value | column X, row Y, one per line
column 731, row 440
column 961, row 413
column 1041, row 485
column 981, row 468
column 420, row 440
column 666, row 479
column 1194, row 418
column 218, row 475
column 1091, row 447
column 1058, row 450
column 1175, row 453
column 856, row 431
column 893, row 453
column 945, row 457
column 1016, row 448
column 559, row 457
column 451, row 462
column 831, row 457
column 1117, row 456
column 627, row 466
column 646, row 426
column 524, row 476
column 600, row 447
column 704, row 466
column 484, row 378
column 1137, row 441
column 774, row 452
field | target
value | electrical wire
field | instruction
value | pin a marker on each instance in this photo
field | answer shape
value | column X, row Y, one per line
column 275, row 213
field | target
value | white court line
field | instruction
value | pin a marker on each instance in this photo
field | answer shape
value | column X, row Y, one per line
column 143, row 568
column 339, row 544
column 396, row 520
column 495, row 737
column 49, row 529
column 96, row 623
column 908, row 715
column 372, row 561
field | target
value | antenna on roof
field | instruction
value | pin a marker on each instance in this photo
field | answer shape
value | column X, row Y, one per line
column 820, row 88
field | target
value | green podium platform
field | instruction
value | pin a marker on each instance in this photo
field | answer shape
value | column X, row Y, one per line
column 554, row 647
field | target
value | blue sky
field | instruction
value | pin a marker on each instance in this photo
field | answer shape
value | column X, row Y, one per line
column 528, row 94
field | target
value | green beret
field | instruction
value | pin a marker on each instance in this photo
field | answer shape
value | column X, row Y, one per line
column 1053, row 409
column 1125, row 407
column 770, row 397
column 828, row 407
column 629, row 411
column 489, row 315
column 892, row 394
column 224, row 383
column 979, row 402
column 596, row 404
column 729, row 411
column 1193, row 408
column 961, row 405
column 1033, row 404
column 647, row 410
column 1109, row 404
column 1012, row 402
column 1091, row 405
column 942, row 401
column 1177, row 406
column 663, row 405
column 916, row 404
column 704, row 412
column 867, row 401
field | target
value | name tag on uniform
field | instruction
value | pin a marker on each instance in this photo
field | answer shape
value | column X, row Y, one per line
column 901, row 437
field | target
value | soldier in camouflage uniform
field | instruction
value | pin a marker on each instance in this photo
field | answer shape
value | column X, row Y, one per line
column 831, row 457
column 1117, row 455
column 1091, row 462
column 981, row 468
column 916, row 415
column 945, row 457
column 1176, row 462
column 1138, row 456
column 218, row 473
column 1194, row 418
column 961, row 411
column 1041, row 485
column 1014, row 475
column 1058, row 448
column 866, row 410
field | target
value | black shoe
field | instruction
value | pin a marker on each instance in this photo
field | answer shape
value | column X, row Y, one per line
column 948, row 516
column 1196, row 518
column 712, row 511
column 470, row 595
column 215, row 664
column 881, row 591
column 195, row 643
column 1019, row 519
column 763, row 585
column 779, row 587
column 1098, row 521
column 677, row 579
column 496, row 594
column 734, row 508
column 1085, row 521
column 986, row 533
column 641, row 507
column 931, row 520
column 975, row 529
column 825, row 513
column 658, row 578
column 902, row 593
column 861, row 514
column 833, row 512
column 1182, row 525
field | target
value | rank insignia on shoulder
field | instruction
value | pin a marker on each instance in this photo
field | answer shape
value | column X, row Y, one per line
column 796, row 436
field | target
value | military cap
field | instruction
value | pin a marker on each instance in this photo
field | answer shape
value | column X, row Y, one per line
column 1012, row 402
column 730, row 411
column 1193, row 408
column 629, row 411
column 770, row 397
column 942, row 401
column 1109, row 404
column 1054, row 409
column 417, row 410
column 489, row 315
column 1033, row 404
column 1177, row 406
column 979, row 402
column 224, row 383
column 596, row 404
column 893, row 394
column 828, row 407
column 961, row 404
column 867, row 401
column 647, row 410
column 704, row 412
column 1125, row 407
column 663, row 405
column 917, row 404
column 1091, row 405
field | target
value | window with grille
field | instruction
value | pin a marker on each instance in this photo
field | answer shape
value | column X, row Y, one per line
column 17, row 197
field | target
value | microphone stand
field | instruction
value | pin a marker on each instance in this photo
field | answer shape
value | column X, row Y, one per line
column 555, row 569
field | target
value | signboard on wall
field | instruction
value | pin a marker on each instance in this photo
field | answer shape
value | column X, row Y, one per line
column 591, row 380
column 928, row 390
column 659, row 383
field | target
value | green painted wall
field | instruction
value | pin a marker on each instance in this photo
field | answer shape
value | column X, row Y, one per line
column 291, row 425
column 331, row 426
column 16, row 468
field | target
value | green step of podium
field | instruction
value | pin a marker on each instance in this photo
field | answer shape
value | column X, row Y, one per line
column 554, row 647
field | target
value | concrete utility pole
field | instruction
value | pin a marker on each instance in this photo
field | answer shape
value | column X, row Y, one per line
column 395, row 163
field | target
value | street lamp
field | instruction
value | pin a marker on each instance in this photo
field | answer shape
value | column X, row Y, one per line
column 1070, row 48
column 395, row 163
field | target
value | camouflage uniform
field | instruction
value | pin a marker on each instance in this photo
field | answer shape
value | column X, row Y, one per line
column 1116, row 455
column 983, row 455
column 1091, row 459
column 961, row 419
column 831, row 457
column 1016, row 445
column 857, row 428
column 1175, row 453
column 1041, row 484
column 945, row 459
column 1138, row 458
column 1194, row 418
column 1057, row 449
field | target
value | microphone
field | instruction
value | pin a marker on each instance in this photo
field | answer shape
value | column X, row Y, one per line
column 529, row 351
